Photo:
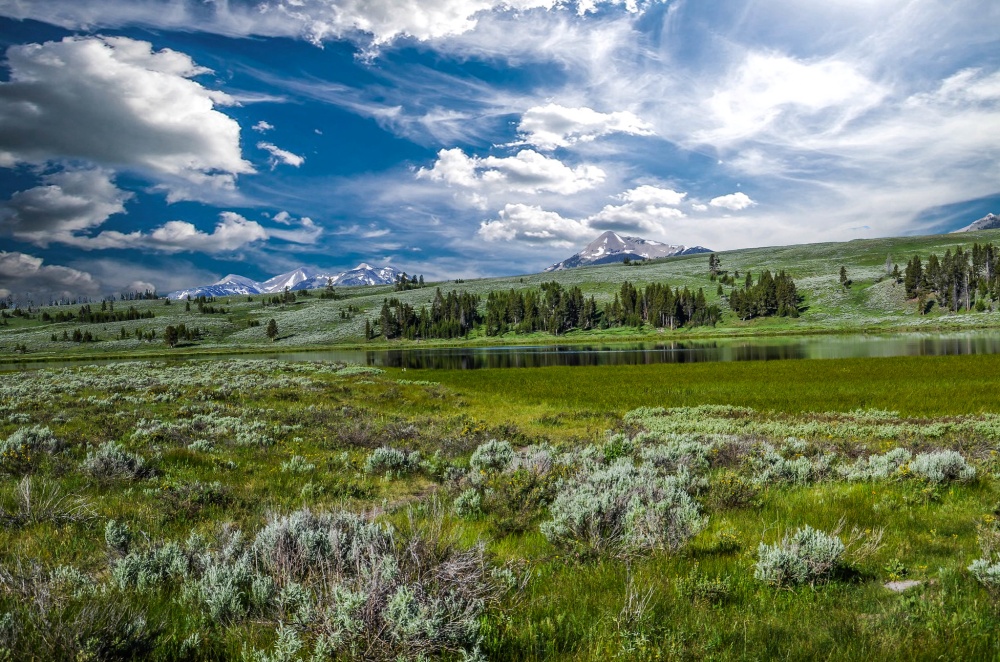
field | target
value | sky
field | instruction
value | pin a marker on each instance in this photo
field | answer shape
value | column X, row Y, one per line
column 166, row 143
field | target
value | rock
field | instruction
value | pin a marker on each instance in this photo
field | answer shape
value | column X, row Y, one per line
column 899, row 587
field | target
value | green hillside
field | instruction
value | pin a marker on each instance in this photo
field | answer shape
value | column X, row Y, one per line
column 873, row 302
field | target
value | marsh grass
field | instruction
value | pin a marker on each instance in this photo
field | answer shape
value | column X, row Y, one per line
column 59, row 596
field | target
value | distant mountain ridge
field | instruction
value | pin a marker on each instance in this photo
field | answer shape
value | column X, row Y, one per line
column 988, row 222
column 302, row 278
column 612, row 247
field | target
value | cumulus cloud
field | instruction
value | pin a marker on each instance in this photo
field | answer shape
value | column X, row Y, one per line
column 645, row 209
column 23, row 274
column 551, row 126
column 66, row 203
column 231, row 233
column 262, row 127
column 532, row 224
column 279, row 155
column 525, row 172
column 733, row 201
column 317, row 21
column 116, row 102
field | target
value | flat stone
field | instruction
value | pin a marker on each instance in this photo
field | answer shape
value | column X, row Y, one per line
column 899, row 587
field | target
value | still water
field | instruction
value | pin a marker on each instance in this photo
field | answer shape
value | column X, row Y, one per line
column 695, row 351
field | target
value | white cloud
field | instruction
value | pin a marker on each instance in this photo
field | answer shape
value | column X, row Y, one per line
column 551, row 126
column 526, row 172
column 231, row 233
column 279, row 155
column 262, row 127
column 646, row 209
column 116, row 102
column 733, row 201
column 699, row 207
column 314, row 20
column 767, row 92
column 531, row 224
column 68, row 202
column 23, row 274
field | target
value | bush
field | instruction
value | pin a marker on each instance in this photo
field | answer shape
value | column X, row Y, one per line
column 302, row 542
column 878, row 467
column 807, row 556
column 942, row 466
column 692, row 455
column 111, row 461
column 469, row 504
column 297, row 465
column 392, row 462
column 492, row 457
column 731, row 490
column 145, row 570
column 22, row 451
column 117, row 536
column 623, row 510
column 770, row 467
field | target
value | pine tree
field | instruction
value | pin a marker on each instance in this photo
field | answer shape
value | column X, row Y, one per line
column 844, row 280
column 272, row 329
column 170, row 336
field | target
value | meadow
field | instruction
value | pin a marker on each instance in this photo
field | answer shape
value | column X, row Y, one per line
column 873, row 303
column 266, row 510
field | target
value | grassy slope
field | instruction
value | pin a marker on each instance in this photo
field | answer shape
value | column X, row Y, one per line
column 871, row 304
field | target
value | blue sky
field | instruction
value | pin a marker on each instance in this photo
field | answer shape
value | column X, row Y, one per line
column 167, row 143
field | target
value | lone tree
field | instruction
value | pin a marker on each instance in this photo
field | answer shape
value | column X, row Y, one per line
column 844, row 280
column 170, row 336
column 272, row 329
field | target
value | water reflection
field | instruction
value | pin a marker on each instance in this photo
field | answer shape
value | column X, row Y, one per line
column 748, row 349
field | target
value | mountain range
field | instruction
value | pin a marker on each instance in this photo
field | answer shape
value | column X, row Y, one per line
column 612, row 247
column 988, row 222
column 302, row 278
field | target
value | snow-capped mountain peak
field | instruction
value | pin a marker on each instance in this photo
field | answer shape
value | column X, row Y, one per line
column 988, row 222
column 302, row 278
column 612, row 247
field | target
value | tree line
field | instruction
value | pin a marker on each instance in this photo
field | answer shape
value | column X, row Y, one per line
column 87, row 315
column 958, row 281
column 551, row 308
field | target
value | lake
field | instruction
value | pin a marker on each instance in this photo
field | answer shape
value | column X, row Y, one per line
column 693, row 351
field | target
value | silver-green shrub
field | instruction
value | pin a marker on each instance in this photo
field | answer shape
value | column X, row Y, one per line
column 117, row 536
column 987, row 572
column 145, row 570
column 807, row 556
column 942, row 466
column 297, row 465
column 392, row 462
column 623, row 509
column 296, row 544
column 677, row 453
column 492, row 457
column 877, row 467
column 469, row 504
column 21, row 452
column 770, row 466
column 110, row 460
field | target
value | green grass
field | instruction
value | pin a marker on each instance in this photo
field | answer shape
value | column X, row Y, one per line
column 570, row 608
column 872, row 304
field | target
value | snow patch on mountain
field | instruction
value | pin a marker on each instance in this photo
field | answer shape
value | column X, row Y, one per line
column 988, row 222
column 612, row 247
column 302, row 278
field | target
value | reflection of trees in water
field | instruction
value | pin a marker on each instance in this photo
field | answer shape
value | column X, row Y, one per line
column 680, row 352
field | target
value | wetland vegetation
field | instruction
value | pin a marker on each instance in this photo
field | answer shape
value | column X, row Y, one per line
column 267, row 510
